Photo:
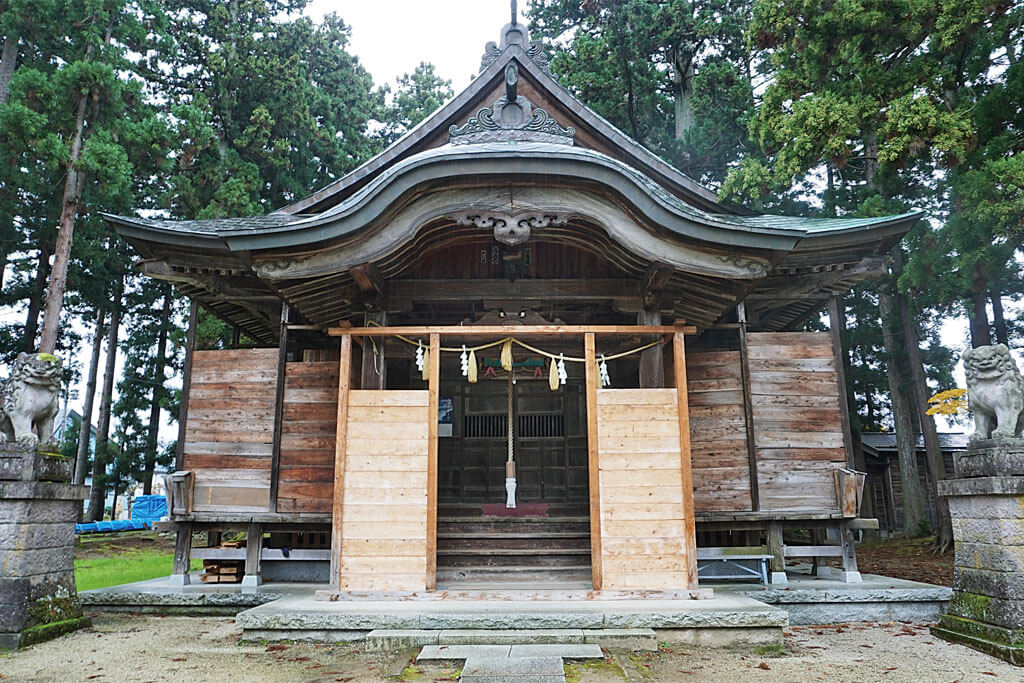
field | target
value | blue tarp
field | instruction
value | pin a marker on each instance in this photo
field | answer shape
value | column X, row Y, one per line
column 149, row 508
column 145, row 511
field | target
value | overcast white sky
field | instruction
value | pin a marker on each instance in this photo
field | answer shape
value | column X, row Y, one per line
column 391, row 37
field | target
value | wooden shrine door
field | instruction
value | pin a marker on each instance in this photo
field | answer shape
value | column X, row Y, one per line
column 549, row 443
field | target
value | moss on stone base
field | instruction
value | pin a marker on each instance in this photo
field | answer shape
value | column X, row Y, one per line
column 970, row 605
column 43, row 632
column 992, row 640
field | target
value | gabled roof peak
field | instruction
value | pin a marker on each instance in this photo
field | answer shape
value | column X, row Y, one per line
column 515, row 34
column 512, row 118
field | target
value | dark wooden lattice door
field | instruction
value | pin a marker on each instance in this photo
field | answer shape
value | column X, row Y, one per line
column 550, row 442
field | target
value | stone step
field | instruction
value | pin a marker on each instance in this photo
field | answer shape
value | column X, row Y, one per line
column 635, row 639
column 492, row 651
column 481, row 669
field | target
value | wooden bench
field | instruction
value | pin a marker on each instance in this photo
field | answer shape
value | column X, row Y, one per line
column 738, row 561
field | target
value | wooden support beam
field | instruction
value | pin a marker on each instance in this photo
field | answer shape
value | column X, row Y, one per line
column 402, row 294
column 748, row 409
column 253, row 550
column 685, row 465
column 275, row 453
column 367, row 278
column 654, row 281
column 433, row 404
column 186, row 384
column 374, row 367
column 593, row 459
column 182, row 555
column 777, row 565
column 340, row 450
column 850, row 572
column 507, row 330
column 836, row 323
column 652, row 360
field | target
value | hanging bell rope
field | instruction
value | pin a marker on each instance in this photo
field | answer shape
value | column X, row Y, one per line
column 510, row 463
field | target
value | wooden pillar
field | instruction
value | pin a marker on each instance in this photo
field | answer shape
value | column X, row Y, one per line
column 836, row 323
column 182, row 555
column 282, row 364
column 374, row 369
column 685, row 465
column 186, row 384
column 253, row 549
column 652, row 360
column 340, row 449
column 850, row 572
column 748, row 408
column 593, row 461
column 777, row 565
column 433, row 401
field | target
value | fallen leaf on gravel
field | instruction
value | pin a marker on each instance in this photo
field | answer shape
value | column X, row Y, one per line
column 866, row 645
column 276, row 648
column 301, row 659
column 764, row 666
column 989, row 673
column 178, row 659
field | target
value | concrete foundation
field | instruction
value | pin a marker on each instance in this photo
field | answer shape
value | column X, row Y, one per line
column 38, row 599
column 986, row 503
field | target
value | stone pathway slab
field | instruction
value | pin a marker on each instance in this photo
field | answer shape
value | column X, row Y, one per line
column 567, row 650
column 517, row 668
column 447, row 652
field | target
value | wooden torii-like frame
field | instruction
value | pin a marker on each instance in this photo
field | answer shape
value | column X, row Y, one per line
column 676, row 333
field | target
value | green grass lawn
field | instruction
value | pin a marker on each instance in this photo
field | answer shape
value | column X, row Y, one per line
column 122, row 565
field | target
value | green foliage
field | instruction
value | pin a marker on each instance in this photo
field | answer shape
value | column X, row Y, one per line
column 268, row 108
column 672, row 74
column 419, row 95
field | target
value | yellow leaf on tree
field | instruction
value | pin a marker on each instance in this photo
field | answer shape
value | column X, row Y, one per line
column 949, row 402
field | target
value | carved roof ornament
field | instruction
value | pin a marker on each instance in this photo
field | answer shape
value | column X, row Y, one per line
column 511, row 119
column 511, row 230
column 515, row 33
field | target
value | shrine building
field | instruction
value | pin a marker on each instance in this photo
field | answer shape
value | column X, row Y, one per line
column 515, row 348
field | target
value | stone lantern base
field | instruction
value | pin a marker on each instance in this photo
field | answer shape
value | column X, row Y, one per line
column 986, row 503
column 38, row 598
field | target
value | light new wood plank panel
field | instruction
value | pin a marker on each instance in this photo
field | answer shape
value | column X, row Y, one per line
column 387, row 463
column 641, row 502
column 622, row 462
column 382, row 446
column 406, row 399
column 383, row 529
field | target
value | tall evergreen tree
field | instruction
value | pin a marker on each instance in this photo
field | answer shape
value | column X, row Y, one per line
column 673, row 74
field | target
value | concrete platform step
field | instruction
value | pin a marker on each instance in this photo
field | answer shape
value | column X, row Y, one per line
column 638, row 639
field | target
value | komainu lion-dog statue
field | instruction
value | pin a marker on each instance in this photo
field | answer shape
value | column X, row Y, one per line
column 28, row 399
column 995, row 392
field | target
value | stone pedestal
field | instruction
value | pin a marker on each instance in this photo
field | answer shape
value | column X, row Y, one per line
column 986, row 502
column 38, row 599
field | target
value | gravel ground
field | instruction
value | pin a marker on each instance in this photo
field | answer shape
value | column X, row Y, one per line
column 150, row 648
